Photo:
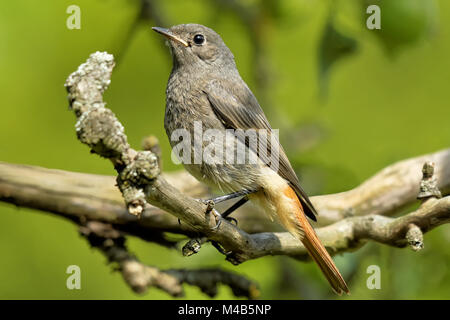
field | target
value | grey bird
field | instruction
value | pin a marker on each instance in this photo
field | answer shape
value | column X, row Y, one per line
column 206, row 90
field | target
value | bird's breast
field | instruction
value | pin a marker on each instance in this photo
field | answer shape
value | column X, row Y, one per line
column 187, row 104
column 188, row 112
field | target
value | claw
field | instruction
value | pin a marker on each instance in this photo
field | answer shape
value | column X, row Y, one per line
column 231, row 219
column 210, row 208
column 218, row 219
column 219, row 222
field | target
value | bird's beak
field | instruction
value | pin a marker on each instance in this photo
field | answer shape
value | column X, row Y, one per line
column 169, row 35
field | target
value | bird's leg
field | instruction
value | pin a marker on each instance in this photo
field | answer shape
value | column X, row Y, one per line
column 229, row 211
column 211, row 203
column 229, row 196
column 233, row 208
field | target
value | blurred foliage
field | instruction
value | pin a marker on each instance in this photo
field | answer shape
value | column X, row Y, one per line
column 333, row 47
column 378, row 111
column 404, row 21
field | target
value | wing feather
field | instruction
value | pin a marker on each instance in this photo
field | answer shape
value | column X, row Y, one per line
column 237, row 108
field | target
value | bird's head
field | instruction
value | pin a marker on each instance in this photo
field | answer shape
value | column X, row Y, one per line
column 194, row 45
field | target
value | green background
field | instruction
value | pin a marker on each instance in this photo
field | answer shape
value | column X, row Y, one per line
column 384, row 103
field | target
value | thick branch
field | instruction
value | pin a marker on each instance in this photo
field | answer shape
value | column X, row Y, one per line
column 96, row 197
column 390, row 190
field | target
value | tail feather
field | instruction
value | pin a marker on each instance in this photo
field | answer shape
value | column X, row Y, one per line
column 316, row 250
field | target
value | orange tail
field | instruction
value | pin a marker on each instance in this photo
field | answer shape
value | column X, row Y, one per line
column 316, row 250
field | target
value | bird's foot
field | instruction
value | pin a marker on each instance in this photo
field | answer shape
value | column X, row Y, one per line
column 211, row 203
column 220, row 217
column 210, row 208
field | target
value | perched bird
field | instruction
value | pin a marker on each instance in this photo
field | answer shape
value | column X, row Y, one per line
column 206, row 92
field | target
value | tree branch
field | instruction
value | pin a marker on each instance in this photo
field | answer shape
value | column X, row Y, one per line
column 80, row 195
column 77, row 195
column 141, row 277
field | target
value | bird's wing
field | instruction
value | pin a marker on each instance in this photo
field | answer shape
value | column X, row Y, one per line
column 237, row 108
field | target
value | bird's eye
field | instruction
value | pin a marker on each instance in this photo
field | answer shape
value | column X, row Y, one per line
column 199, row 39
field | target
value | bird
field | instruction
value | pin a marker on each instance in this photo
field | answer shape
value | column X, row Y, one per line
column 206, row 96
